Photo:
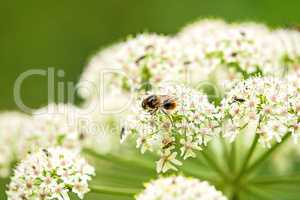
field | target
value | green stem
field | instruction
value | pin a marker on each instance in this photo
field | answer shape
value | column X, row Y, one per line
column 260, row 160
column 192, row 168
column 232, row 160
column 235, row 196
column 214, row 164
column 248, row 156
column 113, row 158
column 258, row 194
column 225, row 149
column 114, row 191
column 277, row 180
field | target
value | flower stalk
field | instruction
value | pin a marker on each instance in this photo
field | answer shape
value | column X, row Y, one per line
column 277, row 180
column 214, row 164
column 248, row 157
column 114, row 191
column 263, row 157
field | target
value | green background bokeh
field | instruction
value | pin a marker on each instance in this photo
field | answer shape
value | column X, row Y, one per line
column 37, row 34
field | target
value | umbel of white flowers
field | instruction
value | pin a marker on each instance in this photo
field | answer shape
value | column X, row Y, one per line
column 11, row 126
column 26, row 133
column 242, row 55
column 50, row 174
column 263, row 104
column 145, row 60
column 62, row 125
column 180, row 132
column 269, row 105
column 205, row 50
column 180, row 188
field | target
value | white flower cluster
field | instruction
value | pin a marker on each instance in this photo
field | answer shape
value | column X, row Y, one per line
column 90, row 80
column 183, row 130
column 258, row 103
column 137, row 64
column 208, row 27
column 212, row 50
column 284, row 159
column 54, row 125
column 288, row 43
column 294, row 102
column 232, row 51
column 103, row 131
column 50, row 174
column 61, row 125
column 180, row 188
column 11, row 127
column 206, row 50
column 70, row 127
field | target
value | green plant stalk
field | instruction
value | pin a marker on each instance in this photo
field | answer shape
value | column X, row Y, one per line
column 257, row 193
column 232, row 159
column 119, row 159
column 260, row 160
column 248, row 157
column 192, row 169
column 114, row 191
column 214, row 164
column 235, row 196
column 277, row 180
column 225, row 149
column 246, row 171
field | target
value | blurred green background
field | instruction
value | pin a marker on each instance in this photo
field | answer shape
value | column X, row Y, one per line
column 63, row 34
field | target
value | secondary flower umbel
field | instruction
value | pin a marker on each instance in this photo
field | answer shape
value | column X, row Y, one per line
column 294, row 103
column 180, row 188
column 137, row 64
column 50, row 174
column 232, row 51
column 54, row 125
column 184, row 130
column 260, row 103
column 11, row 128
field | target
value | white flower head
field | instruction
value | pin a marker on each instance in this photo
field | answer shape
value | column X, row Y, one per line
column 89, row 82
column 287, row 42
column 294, row 102
column 179, row 131
column 54, row 125
column 260, row 101
column 50, row 174
column 137, row 64
column 180, row 188
column 103, row 129
column 11, row 127
column 231, row 51
column 283, row 160
column 194, row 32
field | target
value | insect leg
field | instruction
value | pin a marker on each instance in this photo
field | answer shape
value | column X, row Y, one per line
column 171, row 120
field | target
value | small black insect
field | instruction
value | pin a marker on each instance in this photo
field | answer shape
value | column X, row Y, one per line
column 237, row 99
column 122, row 134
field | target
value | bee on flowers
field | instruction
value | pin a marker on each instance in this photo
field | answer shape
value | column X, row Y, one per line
column 165, row 103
